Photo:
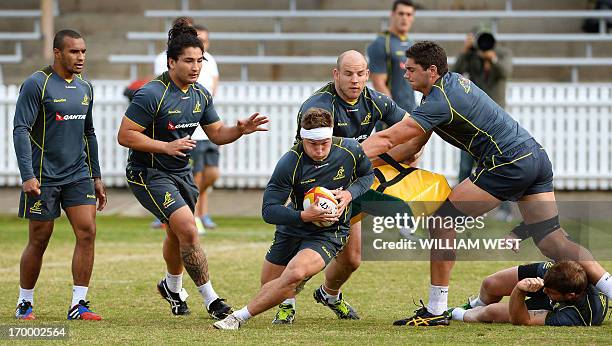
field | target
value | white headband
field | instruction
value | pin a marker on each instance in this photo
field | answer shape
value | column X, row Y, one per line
column 317, row 134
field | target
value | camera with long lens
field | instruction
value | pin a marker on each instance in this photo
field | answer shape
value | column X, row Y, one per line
column 484, row 41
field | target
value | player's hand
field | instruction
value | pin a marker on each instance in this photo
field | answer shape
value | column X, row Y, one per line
column 252, row 124
column 314, row 212
column 530, row 284
column 31, row 187
column 178, row 146
column 343, row 197
column 100, row 193
column 512, row 236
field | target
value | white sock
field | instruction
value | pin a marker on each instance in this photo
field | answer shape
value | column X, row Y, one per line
column 78, row 293
column 208, row 293
column 174, row 282
column 605, row 285
column 477, row 302
column 438, row 299
column 27, row 295
column 242, row 314
column 330, row 297
column 458, row 313
column 289, row 301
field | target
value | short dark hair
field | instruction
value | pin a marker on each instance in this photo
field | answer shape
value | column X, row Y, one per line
column 314, row 118
column 58, row 39
column 182, row 35
column 402, row 2
column 566, row 277
column 427, row 53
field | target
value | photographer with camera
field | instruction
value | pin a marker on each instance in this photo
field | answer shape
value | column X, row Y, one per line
column 488, row 66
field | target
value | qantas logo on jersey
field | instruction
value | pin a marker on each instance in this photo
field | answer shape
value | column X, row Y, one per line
column 59, row 117
column 361, row 138
column 173, row 127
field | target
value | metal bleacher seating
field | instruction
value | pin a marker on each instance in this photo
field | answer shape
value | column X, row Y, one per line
column 17, row 37
column 281, row 16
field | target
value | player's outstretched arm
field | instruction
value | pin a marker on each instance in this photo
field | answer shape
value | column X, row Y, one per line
column 383, row 141
column 130, row 136
column 221, row 134
column 405, row 152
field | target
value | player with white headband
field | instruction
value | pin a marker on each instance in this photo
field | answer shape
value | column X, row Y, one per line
column 302, row 249
column 356, row 110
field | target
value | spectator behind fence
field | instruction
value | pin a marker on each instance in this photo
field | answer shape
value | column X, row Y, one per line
column 205, row 156
column 489, row 67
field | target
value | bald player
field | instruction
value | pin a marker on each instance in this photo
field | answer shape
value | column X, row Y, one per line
column 355, row 109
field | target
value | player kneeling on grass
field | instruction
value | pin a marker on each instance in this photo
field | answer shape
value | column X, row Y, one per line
column 302, row 249
column 559, row 294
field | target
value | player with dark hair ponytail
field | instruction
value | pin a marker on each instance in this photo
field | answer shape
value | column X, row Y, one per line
column 182, row 35
column 157, row 127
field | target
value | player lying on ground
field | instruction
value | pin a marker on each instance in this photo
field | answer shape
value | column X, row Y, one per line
column 511, row 166
column 302, row 249
column 57, row 153
column 157, row 127
column 559, row 294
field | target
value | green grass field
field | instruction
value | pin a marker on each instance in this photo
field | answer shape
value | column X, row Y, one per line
column 129, row 264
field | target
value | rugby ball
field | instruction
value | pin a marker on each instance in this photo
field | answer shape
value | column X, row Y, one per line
column 326, row 201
